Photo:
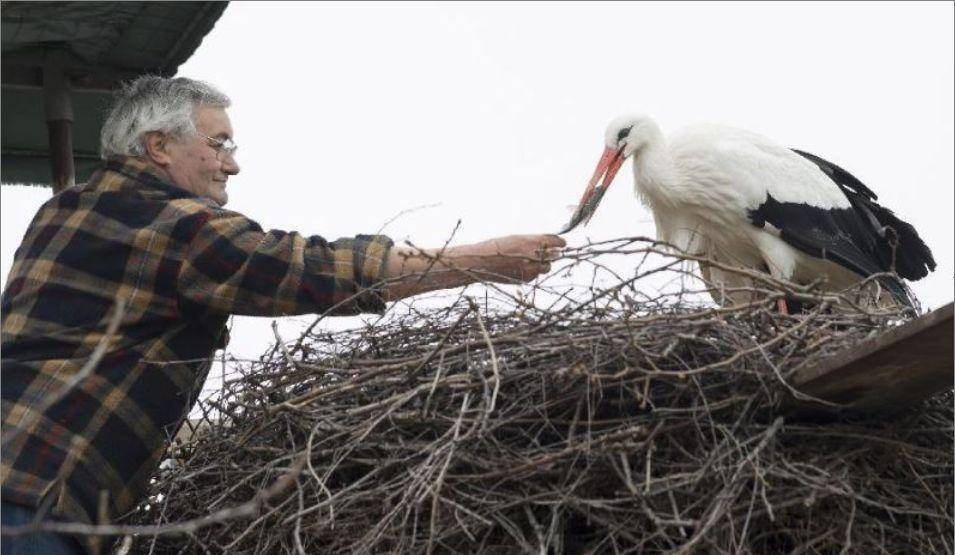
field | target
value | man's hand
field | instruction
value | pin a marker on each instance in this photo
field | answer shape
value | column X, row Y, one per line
column 509, row 259
column 514, row 257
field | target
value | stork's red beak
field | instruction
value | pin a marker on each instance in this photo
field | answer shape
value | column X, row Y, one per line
column 606, row 170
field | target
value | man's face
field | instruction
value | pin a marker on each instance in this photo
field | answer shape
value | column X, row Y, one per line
column 196, row 165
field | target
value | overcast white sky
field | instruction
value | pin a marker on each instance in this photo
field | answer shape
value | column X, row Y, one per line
column 347, row 114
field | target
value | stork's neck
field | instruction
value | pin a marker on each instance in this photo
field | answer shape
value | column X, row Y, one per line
column 655, row 176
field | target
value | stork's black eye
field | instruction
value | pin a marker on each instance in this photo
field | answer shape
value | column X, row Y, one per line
column 622, row 134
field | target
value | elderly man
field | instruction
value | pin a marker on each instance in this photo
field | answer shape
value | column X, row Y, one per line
column 146, row 244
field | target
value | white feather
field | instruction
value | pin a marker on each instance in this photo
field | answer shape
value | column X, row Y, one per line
column 751, row 166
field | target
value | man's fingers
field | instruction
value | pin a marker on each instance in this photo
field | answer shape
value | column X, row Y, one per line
column 549, row 254
column 523, row 257
column 554, row 241
column 552, row 247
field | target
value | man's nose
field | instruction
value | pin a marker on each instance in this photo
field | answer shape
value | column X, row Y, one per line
column 230, row 166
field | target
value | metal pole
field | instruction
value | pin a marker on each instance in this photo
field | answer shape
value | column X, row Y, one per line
column 59, row 119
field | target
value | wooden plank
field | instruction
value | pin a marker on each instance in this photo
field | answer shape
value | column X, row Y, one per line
column 59, row 119
column 61, row 154
column 899, row 367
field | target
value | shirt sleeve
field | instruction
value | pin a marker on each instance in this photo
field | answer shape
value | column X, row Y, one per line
column 232, row 266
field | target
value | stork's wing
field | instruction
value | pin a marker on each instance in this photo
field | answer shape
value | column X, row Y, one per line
column 860, row 237
column 836, row 234
column 895, row 243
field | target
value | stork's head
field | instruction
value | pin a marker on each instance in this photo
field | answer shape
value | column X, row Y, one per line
column 625, row 136
column 629, row 134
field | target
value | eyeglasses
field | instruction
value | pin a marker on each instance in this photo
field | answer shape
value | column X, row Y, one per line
column 225, row 146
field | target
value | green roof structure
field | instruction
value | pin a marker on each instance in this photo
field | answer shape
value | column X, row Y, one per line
column 60, row 63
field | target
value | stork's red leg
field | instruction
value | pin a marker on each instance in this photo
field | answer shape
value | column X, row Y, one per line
column 782, row 306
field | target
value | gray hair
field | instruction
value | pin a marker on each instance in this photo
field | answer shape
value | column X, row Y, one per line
column 153, row 103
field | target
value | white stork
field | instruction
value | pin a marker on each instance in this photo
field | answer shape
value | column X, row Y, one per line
column 736, row 197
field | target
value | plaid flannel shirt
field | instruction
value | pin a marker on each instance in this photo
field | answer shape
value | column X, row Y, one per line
column 182, row 264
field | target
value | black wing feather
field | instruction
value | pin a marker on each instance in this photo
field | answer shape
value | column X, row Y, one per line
column 897, row 246
column 866, row 238
column 842, row 178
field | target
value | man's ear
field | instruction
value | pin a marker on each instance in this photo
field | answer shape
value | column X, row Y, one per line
column 157, row 148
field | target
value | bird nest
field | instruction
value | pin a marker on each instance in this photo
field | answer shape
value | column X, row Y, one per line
column 597, row 419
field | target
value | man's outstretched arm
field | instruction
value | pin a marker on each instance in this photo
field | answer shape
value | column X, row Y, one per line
column 511, row 259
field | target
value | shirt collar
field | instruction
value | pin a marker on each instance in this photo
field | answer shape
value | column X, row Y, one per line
column 147, row 179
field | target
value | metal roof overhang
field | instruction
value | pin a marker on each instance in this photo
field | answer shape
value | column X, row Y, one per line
column 60, row 63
